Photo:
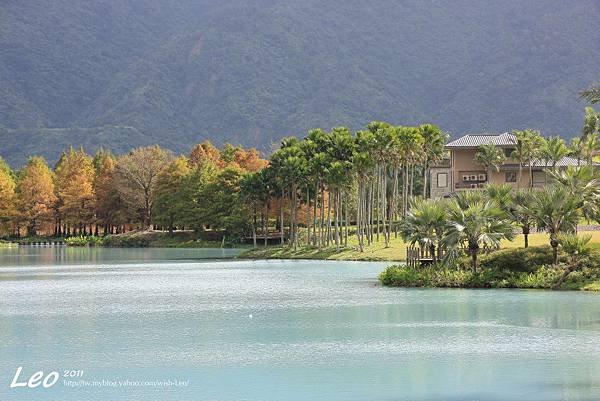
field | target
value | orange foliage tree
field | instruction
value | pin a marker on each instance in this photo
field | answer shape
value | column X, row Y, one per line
column 74, row 186
column 8, row 199
column 36, row 194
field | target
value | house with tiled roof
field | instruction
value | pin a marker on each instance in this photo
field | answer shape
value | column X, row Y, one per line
column 459, row 171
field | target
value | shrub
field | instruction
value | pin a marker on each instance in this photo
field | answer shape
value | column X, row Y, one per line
column 127, row 241
column 84, row 241
column 435, row 276
column 543, row 277
column 518, row 260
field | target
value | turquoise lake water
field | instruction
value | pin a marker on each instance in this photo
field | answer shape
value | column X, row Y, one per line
column 222, row 329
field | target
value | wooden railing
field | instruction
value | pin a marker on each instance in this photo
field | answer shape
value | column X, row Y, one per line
column 421, row 256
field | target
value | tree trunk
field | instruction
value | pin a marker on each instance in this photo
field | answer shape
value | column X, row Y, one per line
column 474, row 260
column 314, row 222
column 266, row 223
column 295, row 218
column 530, row 174
column 359, row 213
column 526, row 236
column 254, row 226
column 425, row 177
column 432, row 251
column 281, row 214
column 554, row 245
column 345, row 222
column 336, row 215
column 378, row 194
column 308, row 225
column 322, row 216
column 328, row 218
column 564, row 276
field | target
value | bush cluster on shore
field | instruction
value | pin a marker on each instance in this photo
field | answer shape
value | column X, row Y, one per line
column 85, row 240
column 510, row 268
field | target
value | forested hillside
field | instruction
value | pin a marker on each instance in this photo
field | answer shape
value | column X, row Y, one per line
column 121, row 74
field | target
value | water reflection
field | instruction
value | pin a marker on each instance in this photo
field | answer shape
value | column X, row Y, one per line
column 319, row 331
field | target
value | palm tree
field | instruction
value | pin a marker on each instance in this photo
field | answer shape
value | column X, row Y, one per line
column 529, row 146
column 590, row 122
column 490, row 157
column 576, row 149
column 424, row 224
column 591, row 94
column 577, row 247
column 555, row 210
column 252, row 191
column 518, row 213
column 434, row 140
column 590, row 146
column 363, row 164
column 583, row 184
column 474, row 223
column 520, row 153
column 555, row 150
column 501, row 194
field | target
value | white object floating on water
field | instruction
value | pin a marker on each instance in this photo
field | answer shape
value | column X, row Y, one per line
column 250, row 316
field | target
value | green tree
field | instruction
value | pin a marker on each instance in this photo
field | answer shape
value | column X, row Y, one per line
column 576, row 149
column 108, row 204
column 590, row 146
column 425, row 223
column 591, row 122
column 171, row 201
column 583, row 184
column 433, row 151
column 474, row 223
column 555, row 150
column 197, row 211
column 224, row 206
column 519, row 215
column 577, row 247
column 555, row 210
column 252, row 189
column 490, row 157
column 592, row 94
column 529, row 147
column 520, row 153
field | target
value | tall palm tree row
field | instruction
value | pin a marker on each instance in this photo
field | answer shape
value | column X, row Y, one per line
column 336, row 183
column 334, row 178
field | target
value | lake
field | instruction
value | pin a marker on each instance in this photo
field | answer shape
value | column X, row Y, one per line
column 162, row 324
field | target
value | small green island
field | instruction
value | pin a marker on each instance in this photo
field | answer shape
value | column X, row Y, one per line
column 507, row 210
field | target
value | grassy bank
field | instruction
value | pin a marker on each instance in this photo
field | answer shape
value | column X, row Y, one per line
column 154, row 239
column 159, row 239
column 508, row 268
column 377, row 251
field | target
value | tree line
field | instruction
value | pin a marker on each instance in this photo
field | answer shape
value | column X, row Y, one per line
column 316, row 191
column 108, row 194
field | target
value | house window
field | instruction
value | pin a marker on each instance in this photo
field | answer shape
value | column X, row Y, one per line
column 442, row 180
column 508, row 151
column 511, row 176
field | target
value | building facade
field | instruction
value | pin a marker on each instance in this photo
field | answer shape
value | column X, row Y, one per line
column 459, row 171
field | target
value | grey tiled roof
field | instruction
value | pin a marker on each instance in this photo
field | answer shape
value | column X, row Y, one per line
column 475, row 140
column 564, row 162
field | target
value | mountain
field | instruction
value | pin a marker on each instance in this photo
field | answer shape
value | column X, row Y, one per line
column 127, row 73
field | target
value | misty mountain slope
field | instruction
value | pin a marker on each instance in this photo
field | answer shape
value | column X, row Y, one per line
column 125, row 74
